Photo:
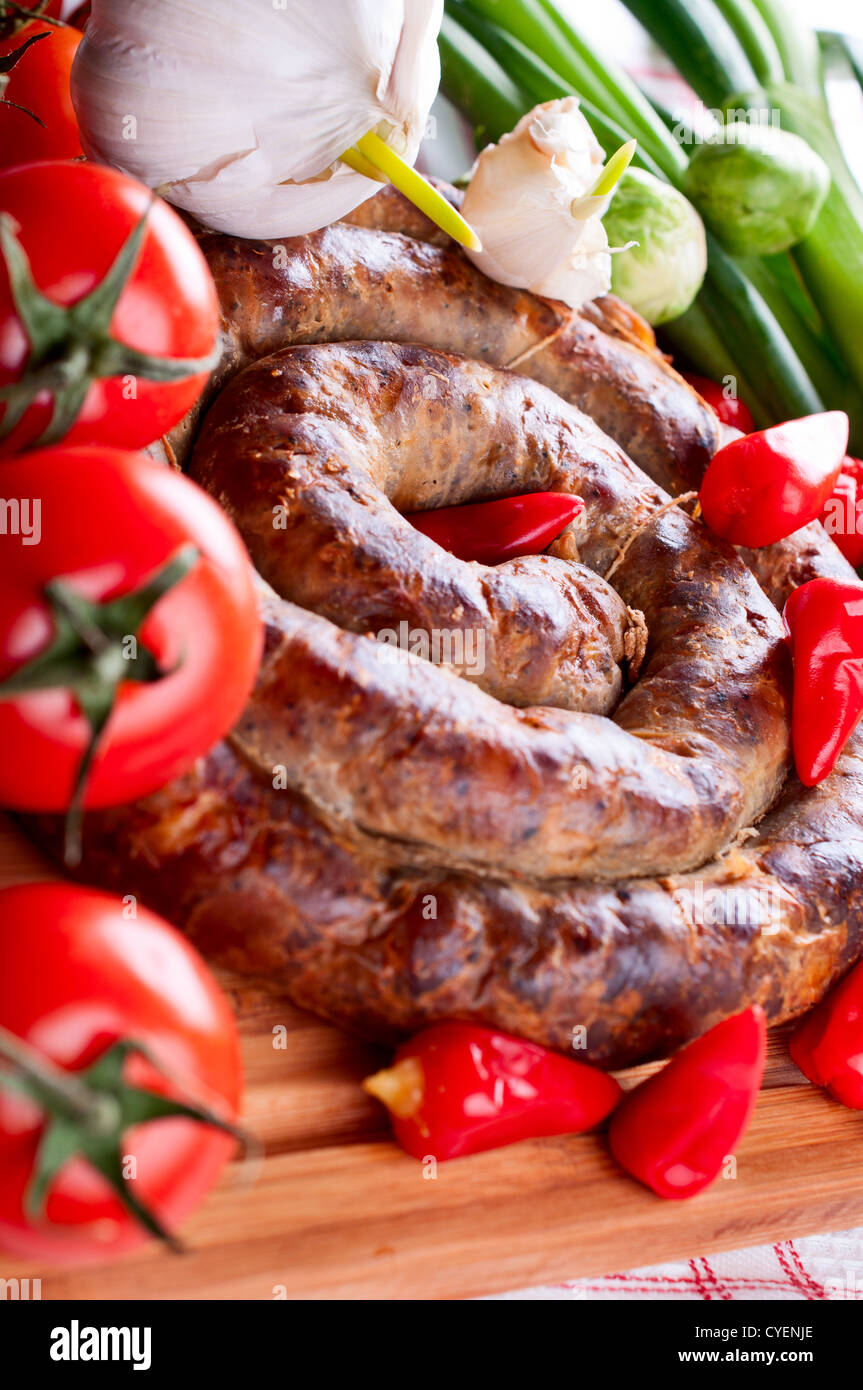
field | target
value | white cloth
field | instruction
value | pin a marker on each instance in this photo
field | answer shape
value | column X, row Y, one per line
column 813, row 1268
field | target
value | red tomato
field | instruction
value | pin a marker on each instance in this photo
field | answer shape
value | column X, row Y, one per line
column 72, row 220
column 108, row 521
column 842, row 517
column 77, row 973
column 39, row 84
column 730, row 409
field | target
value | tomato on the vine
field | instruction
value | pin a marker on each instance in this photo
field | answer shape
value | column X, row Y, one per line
column 96, row 985
column 131, row 627
column 37, row 118
column 110, row 334
column 16, row 15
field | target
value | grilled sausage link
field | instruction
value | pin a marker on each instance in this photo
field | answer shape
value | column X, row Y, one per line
column 366, row 912
column 390, row 211
column 330, row 435
column 313, row 450
column 268, row 884
column 350, row 282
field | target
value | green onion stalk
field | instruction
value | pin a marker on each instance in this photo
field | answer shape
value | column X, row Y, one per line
column 526, row 80
column 830, row 257
column 481, row 89
column 789, row 318
column 755, row 37
column 594, row 77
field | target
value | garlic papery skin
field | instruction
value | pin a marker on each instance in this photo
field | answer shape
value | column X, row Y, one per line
column 239, row 110
column 529, row 200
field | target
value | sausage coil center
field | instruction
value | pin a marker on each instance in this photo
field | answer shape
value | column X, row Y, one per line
column 573, row 829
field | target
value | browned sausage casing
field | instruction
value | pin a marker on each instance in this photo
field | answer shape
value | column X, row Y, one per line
column 330, row 435
column 385, row 917
column 348, row 282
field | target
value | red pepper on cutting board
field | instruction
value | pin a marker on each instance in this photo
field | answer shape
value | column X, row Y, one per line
column 825, row 626
column 675, row 1131
column 491, row 532
column 764, row 486
column 457, row 1088
column 828, row 1045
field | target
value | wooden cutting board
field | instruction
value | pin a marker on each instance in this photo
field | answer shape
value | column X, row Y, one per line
column 333, row 1209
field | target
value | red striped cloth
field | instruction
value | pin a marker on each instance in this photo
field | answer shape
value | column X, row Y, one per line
column 815, row 1268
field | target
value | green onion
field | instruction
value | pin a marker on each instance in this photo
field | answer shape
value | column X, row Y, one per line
column 597, row 79
column 831, row 262
column 638, row 115
column 700, row 43
column 830, row 258
column 750, row 29
column 534, row 77
column 812, row 345
column 743, row 318
column 793, row 322
column 477, row 85
column 694, row 338
column 797, row 46
column 853, row 50
column 841, row 53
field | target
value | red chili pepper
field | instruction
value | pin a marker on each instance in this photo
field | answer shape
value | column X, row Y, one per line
column 730, row 409
column 675, row 1131
column 828, row 1045
column 492, row 532
column 824, row 619
column 842, row 517
column 458, row 1089
column 762, row 487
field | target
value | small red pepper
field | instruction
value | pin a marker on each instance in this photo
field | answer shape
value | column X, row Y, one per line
column 675, row 1131
column 764, row 486
column 842, row 517
column 824, row 619
column 457, row 1088
column 730, row 409
column 828, row 1045
column 491, row 532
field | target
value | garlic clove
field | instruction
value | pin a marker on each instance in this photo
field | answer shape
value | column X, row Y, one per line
column 536, row 200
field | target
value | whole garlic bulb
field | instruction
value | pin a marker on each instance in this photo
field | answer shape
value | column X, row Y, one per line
column 239, row 110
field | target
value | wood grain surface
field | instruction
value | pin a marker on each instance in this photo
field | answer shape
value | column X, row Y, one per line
column 332, row 1209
